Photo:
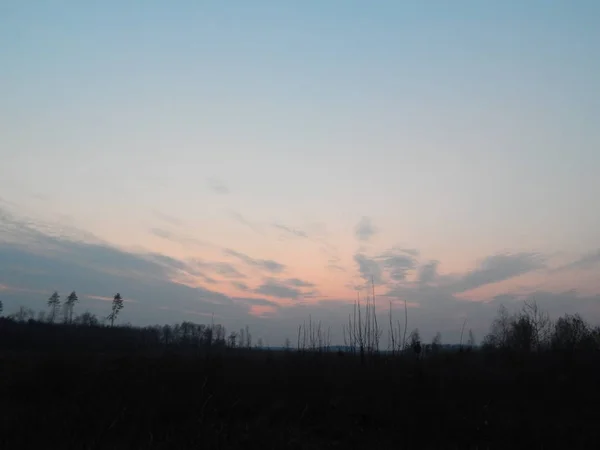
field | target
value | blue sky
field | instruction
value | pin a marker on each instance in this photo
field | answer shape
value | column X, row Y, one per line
column 338, row 139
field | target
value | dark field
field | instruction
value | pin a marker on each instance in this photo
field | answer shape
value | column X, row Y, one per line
column 76, row 387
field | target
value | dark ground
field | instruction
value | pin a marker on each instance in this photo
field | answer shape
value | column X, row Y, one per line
column 60, row 396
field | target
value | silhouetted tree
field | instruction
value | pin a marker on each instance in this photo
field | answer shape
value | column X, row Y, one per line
column 471, row 341
column 208, row 335
column 572, row 333
column 87, row 319
column 72, row 299
column 541, row 325
column 23, row 314
column 415, row 341
column 526, row 331
column 248, row 336
column 521, row 334
column 117, row 306
column 436, row 343
column 219, row 332
column 499, row 334
column 231, row 340
column 1, row 308
column 54, row 304
column 167, row 334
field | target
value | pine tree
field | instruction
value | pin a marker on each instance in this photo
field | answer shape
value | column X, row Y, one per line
column 117, row 306
column 54, row 304
column 72, row 299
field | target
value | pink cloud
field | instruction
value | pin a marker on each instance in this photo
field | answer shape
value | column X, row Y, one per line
column 108, row 299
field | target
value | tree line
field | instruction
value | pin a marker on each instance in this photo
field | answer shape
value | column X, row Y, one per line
column 528, row 330
column 55, row 305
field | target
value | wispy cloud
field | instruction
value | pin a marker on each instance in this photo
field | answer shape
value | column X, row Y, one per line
column 428, row 272
column 50, row 257
column 392, row 265
column 218, row 186
column 586, row 262
column 242, row 220
column 178, row 238
column 498, row 267
column 398, row 262
column 275, row 288
column 431, row 288
column 30, row 230
column 240, row 285
column 227, row 270
column 265, row 264
column 8, row 203
column 365, row 229
column 298, row 283
column 159, row 232
column 291, row 231
column 108, row 299
column 369, row 268
column 149, row 278
column 289, row 288
column 167, row 218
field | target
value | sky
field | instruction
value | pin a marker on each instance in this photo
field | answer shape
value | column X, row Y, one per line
column 264, row 161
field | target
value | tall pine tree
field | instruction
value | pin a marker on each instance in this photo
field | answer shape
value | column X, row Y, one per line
column 117, row 306
column 54, row 304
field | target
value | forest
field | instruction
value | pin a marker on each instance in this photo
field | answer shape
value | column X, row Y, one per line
column 79, row 381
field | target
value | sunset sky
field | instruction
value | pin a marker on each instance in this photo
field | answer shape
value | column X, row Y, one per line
column 263, row 160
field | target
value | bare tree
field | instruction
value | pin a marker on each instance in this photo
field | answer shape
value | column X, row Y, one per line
column 405, row 324
column 415, row 342
column 394, row 341
column 300, row 343
column 1, row 308
column 528, row 330
column 376, row 332
column 23, row 314
column 209, row 334
column 231, row 340
column 248, row 338
column 220, row 333
column 499, row 334
column 540, row 323
column 462, row 331
column 117, row 306
column 54, row 304
column 391, row 332
column 312, row 336
column 471, row 340
column 363, row 331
